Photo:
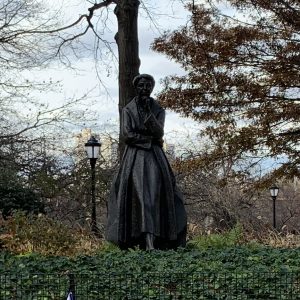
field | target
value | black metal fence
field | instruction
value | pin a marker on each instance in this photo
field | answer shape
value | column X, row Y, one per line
column 102, row 286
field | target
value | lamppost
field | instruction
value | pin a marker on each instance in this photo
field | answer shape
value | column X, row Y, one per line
column 92, row 148
column 274, row 192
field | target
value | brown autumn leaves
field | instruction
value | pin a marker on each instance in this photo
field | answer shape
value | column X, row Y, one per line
column 242, row 84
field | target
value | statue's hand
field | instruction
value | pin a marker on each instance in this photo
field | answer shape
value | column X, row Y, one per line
column 145, row 102
column 148, row 104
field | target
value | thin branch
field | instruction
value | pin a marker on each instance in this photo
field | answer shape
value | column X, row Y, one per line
column 85, row 16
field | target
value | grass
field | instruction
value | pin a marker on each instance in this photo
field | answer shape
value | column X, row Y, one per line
column 23, row 234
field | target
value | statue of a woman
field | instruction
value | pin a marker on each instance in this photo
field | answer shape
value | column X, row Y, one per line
column 145, row 206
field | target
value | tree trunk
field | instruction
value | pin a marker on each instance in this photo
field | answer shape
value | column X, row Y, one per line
column 128, row 48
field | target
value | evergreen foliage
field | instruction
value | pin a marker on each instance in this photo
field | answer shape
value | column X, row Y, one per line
column 15, row 195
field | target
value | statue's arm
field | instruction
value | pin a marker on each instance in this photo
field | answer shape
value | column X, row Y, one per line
column 156, row 124
column 130, row 136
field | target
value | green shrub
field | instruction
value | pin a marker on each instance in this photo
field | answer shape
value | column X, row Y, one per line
column 109, row 247
column 229, row 273
column 15, row 195
column 219, row 240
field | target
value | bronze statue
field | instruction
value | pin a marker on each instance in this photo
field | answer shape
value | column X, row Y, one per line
column 145, row 206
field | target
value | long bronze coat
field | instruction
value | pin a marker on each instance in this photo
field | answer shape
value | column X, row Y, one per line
column 144, row 196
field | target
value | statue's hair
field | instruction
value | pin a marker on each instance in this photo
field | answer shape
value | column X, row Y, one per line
column 141, row 76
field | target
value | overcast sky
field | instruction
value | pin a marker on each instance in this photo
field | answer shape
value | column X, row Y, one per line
column 168, row 15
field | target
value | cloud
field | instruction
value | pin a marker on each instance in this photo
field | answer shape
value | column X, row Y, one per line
column 168, row 15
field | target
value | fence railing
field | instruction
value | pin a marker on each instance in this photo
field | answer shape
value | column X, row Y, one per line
column 196, row 286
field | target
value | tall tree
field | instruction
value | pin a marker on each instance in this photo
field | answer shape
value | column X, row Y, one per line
column 29, row 39
column 242, row 83
column 31, row 36
column 126, row 38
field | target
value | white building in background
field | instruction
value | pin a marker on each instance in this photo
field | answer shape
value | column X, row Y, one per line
column 82, row 137
column 109, row 145
column 109, row 150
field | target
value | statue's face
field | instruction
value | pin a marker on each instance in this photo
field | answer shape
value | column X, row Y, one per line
column 144, row 87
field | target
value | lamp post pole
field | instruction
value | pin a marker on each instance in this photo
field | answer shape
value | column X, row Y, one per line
column 94, row 227
column 92, row 148
column 274, row 192
column 274, row 211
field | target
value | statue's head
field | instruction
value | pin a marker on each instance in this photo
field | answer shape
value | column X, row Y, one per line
column 144, row 84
